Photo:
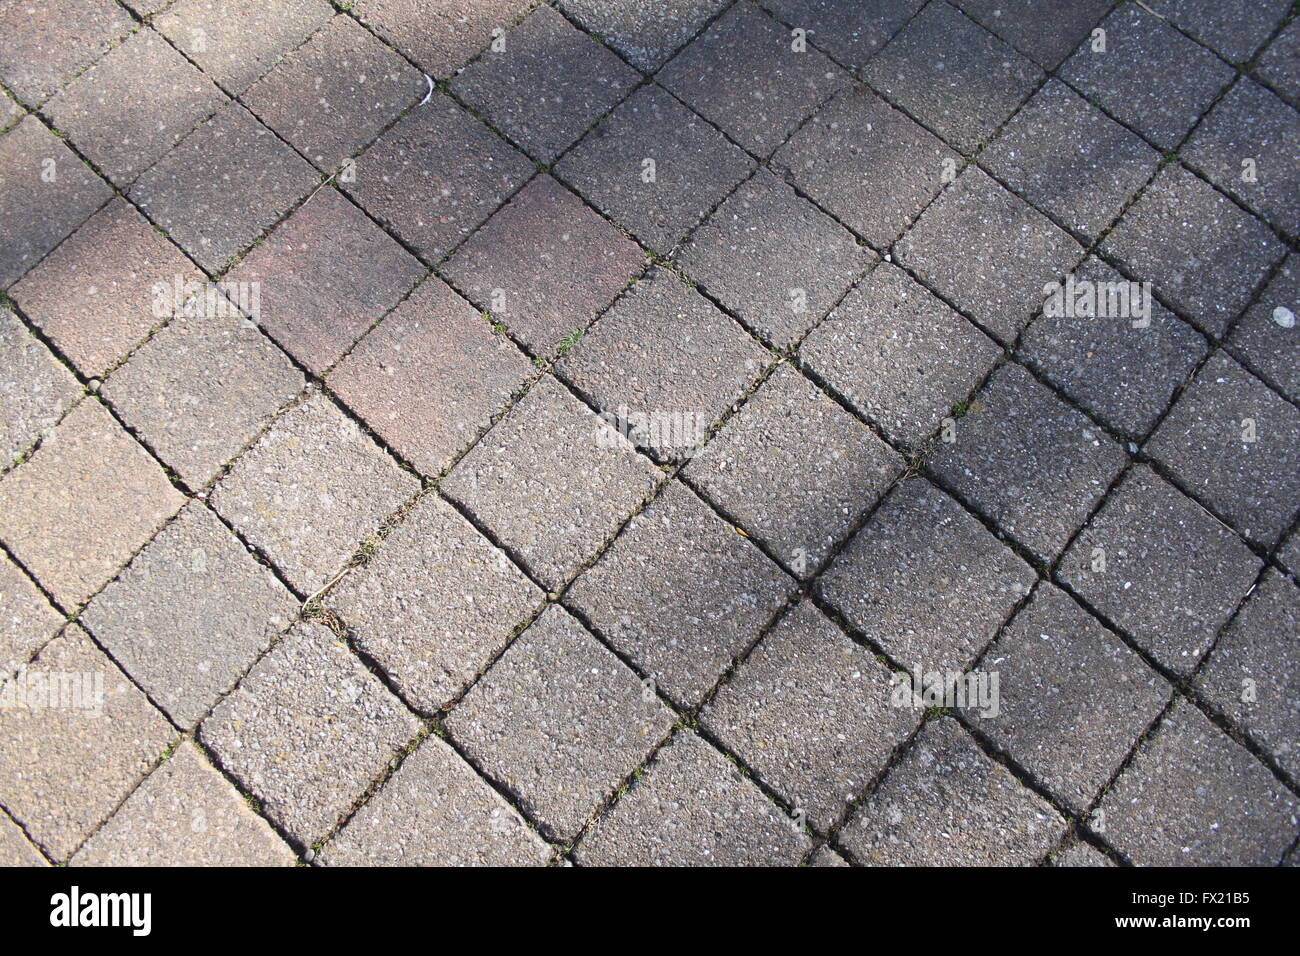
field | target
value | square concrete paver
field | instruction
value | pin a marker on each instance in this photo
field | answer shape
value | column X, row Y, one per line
column 644, row 41
column 77, row 510
column 15, row 849
column 811, row 713
column 850, row 32
column 10, row 111
column 311, row 489
column 308, row 731
column 925, row 581
column 947, row 804
column 185, row 814
column 436, row 811
column 47, row 44
column 27, row 621
column 559, row 722
column 435, row 605
column 190, row 614
column 35, row 388
column 1081, row 854
column 440, row 37
column 1267, row 339
column 1234, row 28
column 1046, row 32
column 1279, row 64
column 795, row 469
column 681, row 594
column 693, row 807
column 1161, row 568
column 1288, row 554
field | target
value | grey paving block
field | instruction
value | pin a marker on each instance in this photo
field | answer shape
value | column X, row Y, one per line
column 899, row 354
column 311, row 489
column 15, row 849
column 545, row 265
column 444, row 37
column 1081, row 854
column 1194, row 797
column 1205, row 255
column 307, row 731
column 10, row 111
column 435, row 605
column 925, row 581
column 825, row 856
column 547, row 85
column 1030, row 463
column 810, row 713
column 745, row 75
column 47, row 44
column 432, row 377
column 1047, row 32
column 774, row 259
column 27, row 620
column 1124, row 374
column 185, row 814
column 1149, row 76
column 550, row 451
column 190, row 614
column 35, row 388
column 795, row 469
column 1070, row 159
column 1073, row 698
column 1161, row 568
column 1235, row 28
column 681, row 594
column 188, row 192
column 654, row 167
column 1267, row 339
column 850, row 32
column 45, row 193
column 644, row 41
column 75, row 738
column 947, row 804
column 1235, row 443
column 560, row 722
column 1279, row 64
column 694, row 808
column 1288, row 554
column 989, row 252
column 958, row 79
column 435, row 176
column 436, row 811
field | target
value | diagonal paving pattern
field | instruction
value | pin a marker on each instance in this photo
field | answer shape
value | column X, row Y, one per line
column 511, row 432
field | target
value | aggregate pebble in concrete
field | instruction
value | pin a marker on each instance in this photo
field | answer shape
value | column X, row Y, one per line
column 1279, row 65
column 1267, row 339
column 825, row 856
column 15, row 850
column 644, row 41
column 851, row 32
column 1234, row 28
column 27, row 620
column 1047, row 31
column 47, row 44
column 442, row 38
column 35, row 388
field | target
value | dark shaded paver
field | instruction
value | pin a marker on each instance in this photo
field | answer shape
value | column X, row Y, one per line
column 46, row 44
column 1047, row 32
column 644, row 41
column 1234, row 28
column 441, row 38
column 850, row 32
column 35, row 388
column 10, row 111
column 1267, row 339
column 27, row 621
column 1279, row 65
column 1288, row 554
column 15, row 849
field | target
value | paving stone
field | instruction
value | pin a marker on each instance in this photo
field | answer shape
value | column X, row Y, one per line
column 560, row 722
column 550, row 451
column 850, row 32
column 952, row 75
column 1029, row 462
column 10, row 111
column 645, row 41
column 1124, row 374
column 189, row 191
column 435, row 605
column 744, row 75
column 1071, row 160
column 548, row 85
column 1150, row 76
column 1252, row 124
column 1279, row 65
column 146, row 7
column 435, row 811
column 1235, row 28
column 545, row 265
column 989, row 252
column 1288, row 554
column 46, row 44
column 441, row 37
column 1167, row 572
column 307, row 731
column 237, row 41
column 825, row 856
column 15, row 850
column 694, row 808
column 1072, row 701
column 336, row 92
column 1204, row 254
column 435, row 176
column 810, row 712
column 774, row 259
column 1267, row 339
column 1081, row 854
column 693, row 167
column 104, row 289
column 326, row 275
column 190, row 615
column 899, row 354
column 1193, row 797
column 45, row 193
column 78, row 509
column 947, row 804
column 311, row 489
column 795, row 470
column 27, row 620
column 185, row 814
column 924, row 580
column 35, row 388
column 1045, row 32
column 156, row 95
column 1204, row 441
column 431, row 378
column 681, row 594
column 71, row 754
